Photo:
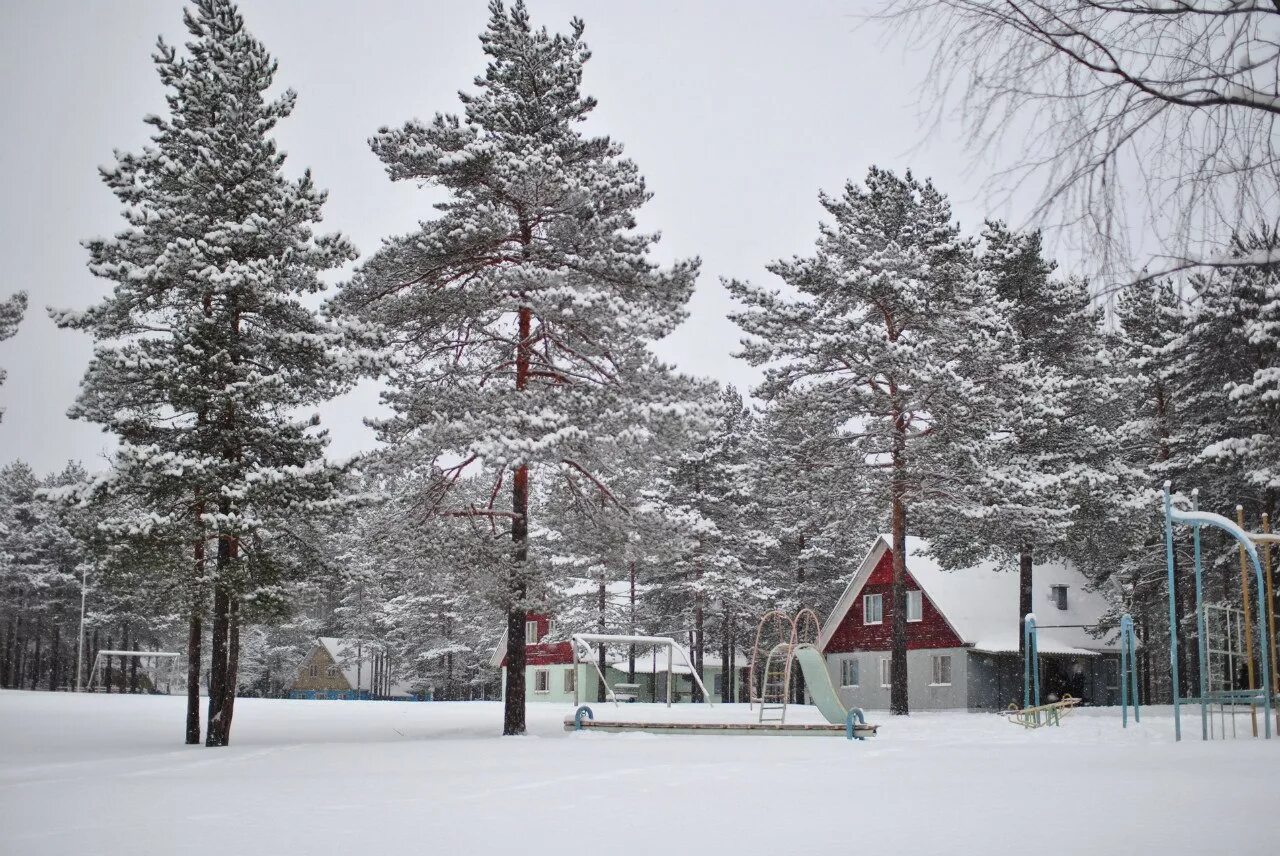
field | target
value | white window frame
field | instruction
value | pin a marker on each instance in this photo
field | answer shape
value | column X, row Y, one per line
column 531, row 632
column 937, row 661
column 915, row 597
column 570, row 679
column 848, row 664
column 867, row 600
column 886, row 672
column 543, row 676
column 1060, row 602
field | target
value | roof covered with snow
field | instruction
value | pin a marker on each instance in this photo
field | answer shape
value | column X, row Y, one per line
column 981, row 603
column 356, row 662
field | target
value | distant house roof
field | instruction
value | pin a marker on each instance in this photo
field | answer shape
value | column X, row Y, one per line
column 981, row 603
column 356, row 664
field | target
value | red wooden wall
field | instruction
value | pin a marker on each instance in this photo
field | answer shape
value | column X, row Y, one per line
column 932, row 631
column 545, row 654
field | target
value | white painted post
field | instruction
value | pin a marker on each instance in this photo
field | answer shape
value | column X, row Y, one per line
column 669, row 647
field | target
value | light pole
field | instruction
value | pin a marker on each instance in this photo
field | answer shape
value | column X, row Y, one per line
column 84, row 588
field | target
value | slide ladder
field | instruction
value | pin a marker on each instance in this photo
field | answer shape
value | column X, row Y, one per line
column 777, row 681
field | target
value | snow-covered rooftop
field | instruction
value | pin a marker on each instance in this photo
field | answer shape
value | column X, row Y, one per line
column 981, row 603
column 356, row 662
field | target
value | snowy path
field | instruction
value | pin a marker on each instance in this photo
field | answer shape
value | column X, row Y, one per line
column 105, row 775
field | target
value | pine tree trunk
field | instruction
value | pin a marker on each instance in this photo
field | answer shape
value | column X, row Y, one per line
column 726, row 670
column 631, row 649
column 55, row 653
column 194, row 633
column 133, row 669
column 601, row 595
column 218, row 642
column 1188, row 642
column 35, row 662
column 899, row 703
column 694, row 691
column 513, row 719
column 1025, row 600
column 233, row 669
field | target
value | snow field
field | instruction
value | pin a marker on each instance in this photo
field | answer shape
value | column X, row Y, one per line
column 95, row 774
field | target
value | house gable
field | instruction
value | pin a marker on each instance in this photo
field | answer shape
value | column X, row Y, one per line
column 541, row 653
column 850, row 633
column 327, row 674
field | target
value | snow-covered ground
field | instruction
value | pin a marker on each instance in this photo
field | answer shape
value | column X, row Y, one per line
column 95, row 774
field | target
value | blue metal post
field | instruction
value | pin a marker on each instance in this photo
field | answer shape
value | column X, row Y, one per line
column 1201, row 643
column 1173, row 613
column 578, row 714
column 1128, row 671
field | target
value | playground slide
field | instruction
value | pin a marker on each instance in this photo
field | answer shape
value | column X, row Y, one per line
column 817, row 680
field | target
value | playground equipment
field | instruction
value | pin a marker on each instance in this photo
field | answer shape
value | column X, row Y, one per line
column 1128, row 671
column 775, row 688
column 1033, row 714
column 1222, row 694
column 581, row 645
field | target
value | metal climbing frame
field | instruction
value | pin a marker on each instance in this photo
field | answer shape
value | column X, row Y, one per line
column 1262, row 696
column 774, row 690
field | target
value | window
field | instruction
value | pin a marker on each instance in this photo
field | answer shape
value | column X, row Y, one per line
column 542, row 680
column 570, row 680
column 331, row 671
column 942, row 670
column 314, row 671
column 531, row 632
column 849, row 672
column 1112, row 667
column 886, row 671
column 718, row 689
column 915, row 606
column 873, row 609
column 1059, row 596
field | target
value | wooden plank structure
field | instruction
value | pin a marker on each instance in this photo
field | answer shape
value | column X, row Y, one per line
column 718, row 727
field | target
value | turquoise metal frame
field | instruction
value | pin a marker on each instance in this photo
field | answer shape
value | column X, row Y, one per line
column 1128, row 672
column 1030, row 664
column 855, row 713
column 578, row 714
column 1196, row 519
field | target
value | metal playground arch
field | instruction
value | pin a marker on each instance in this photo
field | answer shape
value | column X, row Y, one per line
column 1255, row 697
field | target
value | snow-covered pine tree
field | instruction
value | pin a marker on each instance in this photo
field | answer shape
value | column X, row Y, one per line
column 705, row 495
column 890, row 334
column 1046, row 464
column 810, row 526
column 1149, row 436
column 1236, row 329
column 523, row 311
column 11, row 312
column 205, row 351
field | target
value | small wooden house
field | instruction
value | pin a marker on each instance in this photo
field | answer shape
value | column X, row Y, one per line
column 963, row 634
column 344, row 669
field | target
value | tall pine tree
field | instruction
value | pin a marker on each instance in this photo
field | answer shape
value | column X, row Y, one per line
column 892, row 338
column 204, row 350
column 522, row 312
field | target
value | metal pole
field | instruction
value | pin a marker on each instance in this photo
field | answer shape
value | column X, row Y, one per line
column 1173, row 612
column 84, row 584
column 1201, row 642
column 1248, row 621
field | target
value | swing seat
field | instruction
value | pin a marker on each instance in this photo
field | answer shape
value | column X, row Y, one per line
column 1040, row 715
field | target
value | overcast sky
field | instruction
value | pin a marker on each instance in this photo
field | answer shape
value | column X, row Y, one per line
column 736, row 112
